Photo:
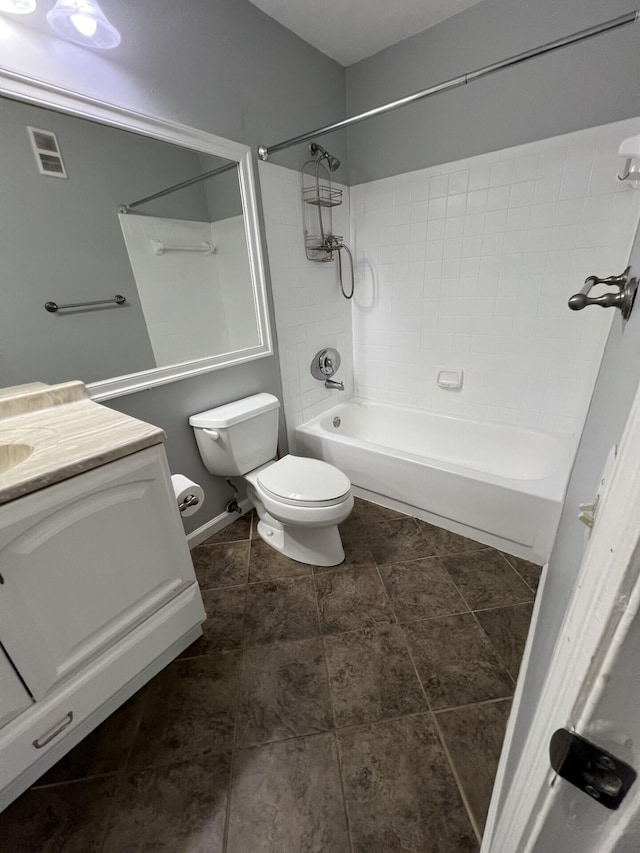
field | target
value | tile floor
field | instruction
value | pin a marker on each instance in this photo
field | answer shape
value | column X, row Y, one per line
column 358, row 708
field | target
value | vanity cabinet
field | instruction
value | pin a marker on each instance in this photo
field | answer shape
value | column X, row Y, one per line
column 97, row 594
column 13, row 696
column 85, row 561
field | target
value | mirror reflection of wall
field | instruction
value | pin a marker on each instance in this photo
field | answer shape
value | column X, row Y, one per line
column 62, row 240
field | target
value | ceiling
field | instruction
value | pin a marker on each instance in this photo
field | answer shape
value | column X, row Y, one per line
column 351, row 30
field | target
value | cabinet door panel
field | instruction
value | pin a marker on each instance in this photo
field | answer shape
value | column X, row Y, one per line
column 13, row 697
column 105, row 552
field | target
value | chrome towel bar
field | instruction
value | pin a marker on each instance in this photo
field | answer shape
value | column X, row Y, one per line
column 53, row 306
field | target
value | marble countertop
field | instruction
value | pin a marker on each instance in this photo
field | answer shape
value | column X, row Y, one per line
column 69, row 434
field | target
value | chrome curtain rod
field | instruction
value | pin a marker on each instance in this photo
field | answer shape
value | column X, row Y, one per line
column 630, row 18
column 125, row 208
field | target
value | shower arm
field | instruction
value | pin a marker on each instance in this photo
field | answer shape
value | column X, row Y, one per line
column 607, row 26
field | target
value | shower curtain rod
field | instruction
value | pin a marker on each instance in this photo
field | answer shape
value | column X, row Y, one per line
column 125, row 208
column 630, row 18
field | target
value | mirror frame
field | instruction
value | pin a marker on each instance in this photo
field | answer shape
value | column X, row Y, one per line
column 20, row 87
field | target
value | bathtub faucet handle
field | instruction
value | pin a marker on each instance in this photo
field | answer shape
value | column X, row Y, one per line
column 325, row 364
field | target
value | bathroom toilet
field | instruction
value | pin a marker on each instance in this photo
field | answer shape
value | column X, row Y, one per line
column 299, row 501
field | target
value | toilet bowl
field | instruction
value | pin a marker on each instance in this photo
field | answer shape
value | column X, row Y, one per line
column 299, row 501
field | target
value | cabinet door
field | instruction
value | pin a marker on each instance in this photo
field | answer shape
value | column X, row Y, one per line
column 13, row 697
column 85, row 561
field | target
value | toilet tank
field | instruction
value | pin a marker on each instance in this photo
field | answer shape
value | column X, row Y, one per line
column 236, row 438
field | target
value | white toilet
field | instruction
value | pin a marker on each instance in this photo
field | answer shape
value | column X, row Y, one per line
column 299, row 501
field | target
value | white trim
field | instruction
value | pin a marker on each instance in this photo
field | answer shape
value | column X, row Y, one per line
column 39, row 93
column 604, row 603
column 216, row 524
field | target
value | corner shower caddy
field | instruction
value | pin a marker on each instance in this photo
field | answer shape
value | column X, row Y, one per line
column 320, row 197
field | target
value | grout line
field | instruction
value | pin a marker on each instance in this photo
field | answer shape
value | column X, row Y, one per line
column 448, row 708
column 440, row 736
column 437, row 616
column 333, row 716
column 388, row 597
column 227, row 813
column 207, row 544
column 106, row 775
column 125, row 767
column 524, row 603
column 457, row 779
column 495, row 650
column 334, row 733
column 415, row 669
column 513, row 569
column 280, row 578
column 458, row 590
column 454, row 771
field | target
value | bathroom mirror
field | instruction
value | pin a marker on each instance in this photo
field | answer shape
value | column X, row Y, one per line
column 99, row 203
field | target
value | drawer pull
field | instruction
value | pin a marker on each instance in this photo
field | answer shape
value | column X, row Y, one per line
column 47, row 738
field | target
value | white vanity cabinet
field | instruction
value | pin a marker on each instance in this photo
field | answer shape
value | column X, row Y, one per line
column 83, row 562
column 13, row 696
column 97, row 593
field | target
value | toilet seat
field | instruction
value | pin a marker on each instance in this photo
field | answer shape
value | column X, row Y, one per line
column 299, row 481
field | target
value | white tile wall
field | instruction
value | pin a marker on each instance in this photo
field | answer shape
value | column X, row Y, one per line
column 177, row 332
column 310, row 311
column 470, row 264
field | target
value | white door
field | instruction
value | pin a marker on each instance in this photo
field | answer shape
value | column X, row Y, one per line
column 85, row 561
column 592, row 687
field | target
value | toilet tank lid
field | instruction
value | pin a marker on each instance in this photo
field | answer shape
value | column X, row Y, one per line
column 234, row 413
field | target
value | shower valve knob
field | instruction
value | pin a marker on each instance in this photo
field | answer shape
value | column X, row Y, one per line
column 325, row 364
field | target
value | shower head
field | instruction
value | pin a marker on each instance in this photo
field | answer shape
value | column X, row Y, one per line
column 332, row 162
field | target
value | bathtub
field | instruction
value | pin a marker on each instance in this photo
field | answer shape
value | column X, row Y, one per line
column 501, row 485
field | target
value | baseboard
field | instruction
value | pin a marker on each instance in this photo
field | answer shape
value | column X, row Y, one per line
column 214, row 525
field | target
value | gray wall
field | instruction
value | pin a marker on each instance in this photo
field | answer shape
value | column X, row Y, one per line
column 221, row 192
column 581, row 86
column 222, row 66
column 219, row 65
column 63, row 242
column 613, row 396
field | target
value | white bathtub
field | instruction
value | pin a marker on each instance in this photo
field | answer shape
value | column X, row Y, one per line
column 501, row 485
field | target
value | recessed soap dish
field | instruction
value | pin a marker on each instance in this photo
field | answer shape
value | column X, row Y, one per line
column 450, row 380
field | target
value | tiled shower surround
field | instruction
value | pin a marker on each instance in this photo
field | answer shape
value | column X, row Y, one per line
column 469, row 266
column 311, row 314
column 466, row 265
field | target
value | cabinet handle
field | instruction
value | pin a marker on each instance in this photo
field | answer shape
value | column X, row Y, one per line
column 47, row 738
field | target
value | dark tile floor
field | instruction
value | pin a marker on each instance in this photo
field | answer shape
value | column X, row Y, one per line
column 358, row 708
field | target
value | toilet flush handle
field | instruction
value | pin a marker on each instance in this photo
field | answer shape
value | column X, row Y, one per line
column 212, row 433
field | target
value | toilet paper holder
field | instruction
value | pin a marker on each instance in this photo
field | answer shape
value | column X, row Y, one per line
column 190, row 500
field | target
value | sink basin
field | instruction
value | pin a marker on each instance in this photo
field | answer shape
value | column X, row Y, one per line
column 12, row 455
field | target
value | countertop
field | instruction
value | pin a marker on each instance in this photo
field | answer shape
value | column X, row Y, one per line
column 70, row 434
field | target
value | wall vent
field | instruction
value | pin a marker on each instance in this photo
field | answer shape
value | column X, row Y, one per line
column 47, row 152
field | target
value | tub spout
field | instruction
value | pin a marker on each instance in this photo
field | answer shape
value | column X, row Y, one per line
column 331, row 383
